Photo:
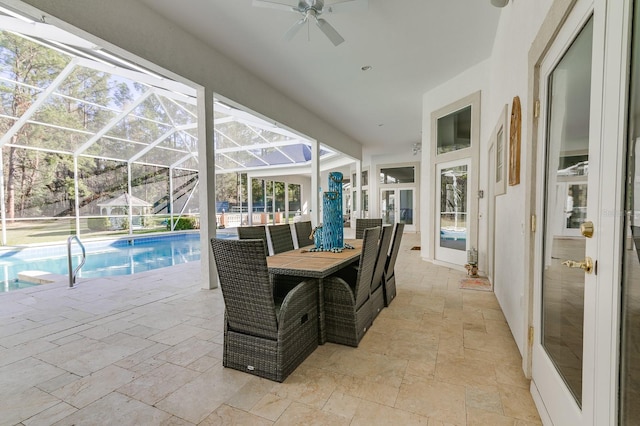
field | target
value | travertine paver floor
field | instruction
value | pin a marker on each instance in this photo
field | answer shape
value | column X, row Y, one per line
column 147, row 349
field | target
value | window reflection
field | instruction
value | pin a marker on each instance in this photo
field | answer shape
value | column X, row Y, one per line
column 453, row 208
column 454, row 131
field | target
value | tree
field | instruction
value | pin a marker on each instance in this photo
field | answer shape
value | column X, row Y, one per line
column 31, row 64
column 38, row 182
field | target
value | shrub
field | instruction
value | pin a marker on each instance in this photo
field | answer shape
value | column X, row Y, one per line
column 99, row 223
column 183, row 224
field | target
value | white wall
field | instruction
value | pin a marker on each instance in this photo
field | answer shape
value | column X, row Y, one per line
column 519, row 24
column 500, row 78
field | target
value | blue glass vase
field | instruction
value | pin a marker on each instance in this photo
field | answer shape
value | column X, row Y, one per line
column 335, row 185
column 332, row 222
column 317, row 237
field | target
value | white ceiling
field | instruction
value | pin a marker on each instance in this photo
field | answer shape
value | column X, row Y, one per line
column 412, row 45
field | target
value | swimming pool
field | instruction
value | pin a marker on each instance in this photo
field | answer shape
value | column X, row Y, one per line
column 104, row 258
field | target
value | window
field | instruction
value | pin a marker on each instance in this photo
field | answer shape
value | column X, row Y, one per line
column 396, row 175
column 500, row 149
column 295, row 198
column 454, row 131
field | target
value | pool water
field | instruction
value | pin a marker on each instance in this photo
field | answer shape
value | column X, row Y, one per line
column 106, row 258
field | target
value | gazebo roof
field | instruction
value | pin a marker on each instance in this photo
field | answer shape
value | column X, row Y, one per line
column 123, row 201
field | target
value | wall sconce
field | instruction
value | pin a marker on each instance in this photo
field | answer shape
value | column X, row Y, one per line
column 417, row 147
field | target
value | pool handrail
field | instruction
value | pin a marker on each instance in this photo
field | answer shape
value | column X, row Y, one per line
column 74, row 272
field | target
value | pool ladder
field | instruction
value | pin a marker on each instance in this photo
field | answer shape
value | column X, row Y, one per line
column 74, row 272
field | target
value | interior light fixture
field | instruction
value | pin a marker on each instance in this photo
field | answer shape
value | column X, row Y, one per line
column 17, row 15
column 499, row 3
column 366, row 68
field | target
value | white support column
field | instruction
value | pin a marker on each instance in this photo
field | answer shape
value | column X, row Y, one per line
column 249, row 200
column 76, row 194
column 359, row 212
column 207, row 179
column 273, row 202
column 171, row 198
column 240, row 197
column 264, row 200
column 129, row 187
column 286, row 202
column 316, row 190
column 3, row 206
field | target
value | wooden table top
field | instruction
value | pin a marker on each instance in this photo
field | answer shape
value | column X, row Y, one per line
column 313, row 264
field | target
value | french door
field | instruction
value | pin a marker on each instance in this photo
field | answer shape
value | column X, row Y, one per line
column 577, row 258
column 398, row 205
column 564, row 267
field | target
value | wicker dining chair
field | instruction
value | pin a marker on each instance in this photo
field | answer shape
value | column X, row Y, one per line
column 377, row 283
column 389, row 272
column 303, row 233
column 252, row 232
column 347, row 302
column 260, row 336
column 362, row 224
column 281, row 238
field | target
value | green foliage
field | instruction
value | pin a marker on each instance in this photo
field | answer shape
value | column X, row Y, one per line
column 99, row 223
column 183, row 223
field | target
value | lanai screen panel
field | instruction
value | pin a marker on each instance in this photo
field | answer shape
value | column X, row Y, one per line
column 186, row 199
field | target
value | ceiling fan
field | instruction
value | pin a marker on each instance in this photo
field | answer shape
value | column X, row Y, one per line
column 311, row 10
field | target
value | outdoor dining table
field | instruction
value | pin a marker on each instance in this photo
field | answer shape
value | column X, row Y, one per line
column 314, row 264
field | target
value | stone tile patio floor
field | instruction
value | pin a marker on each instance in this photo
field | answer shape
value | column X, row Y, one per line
column 146, row 349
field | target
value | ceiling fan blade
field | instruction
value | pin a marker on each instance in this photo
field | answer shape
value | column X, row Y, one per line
column 280, row 5
column 291, row 32
column 329, row 31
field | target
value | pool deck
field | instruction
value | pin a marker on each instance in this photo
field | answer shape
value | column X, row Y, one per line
column 147, row 349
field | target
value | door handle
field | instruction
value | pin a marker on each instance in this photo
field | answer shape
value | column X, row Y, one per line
column 586, row 264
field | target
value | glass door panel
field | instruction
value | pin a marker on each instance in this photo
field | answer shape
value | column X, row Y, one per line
column 558, row 355
column 405, row 215
column 452, row 212
column 388, row 206
column 397, row 206
column 453, row 208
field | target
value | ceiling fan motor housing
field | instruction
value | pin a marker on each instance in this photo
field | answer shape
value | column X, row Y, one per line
column 313, row 6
